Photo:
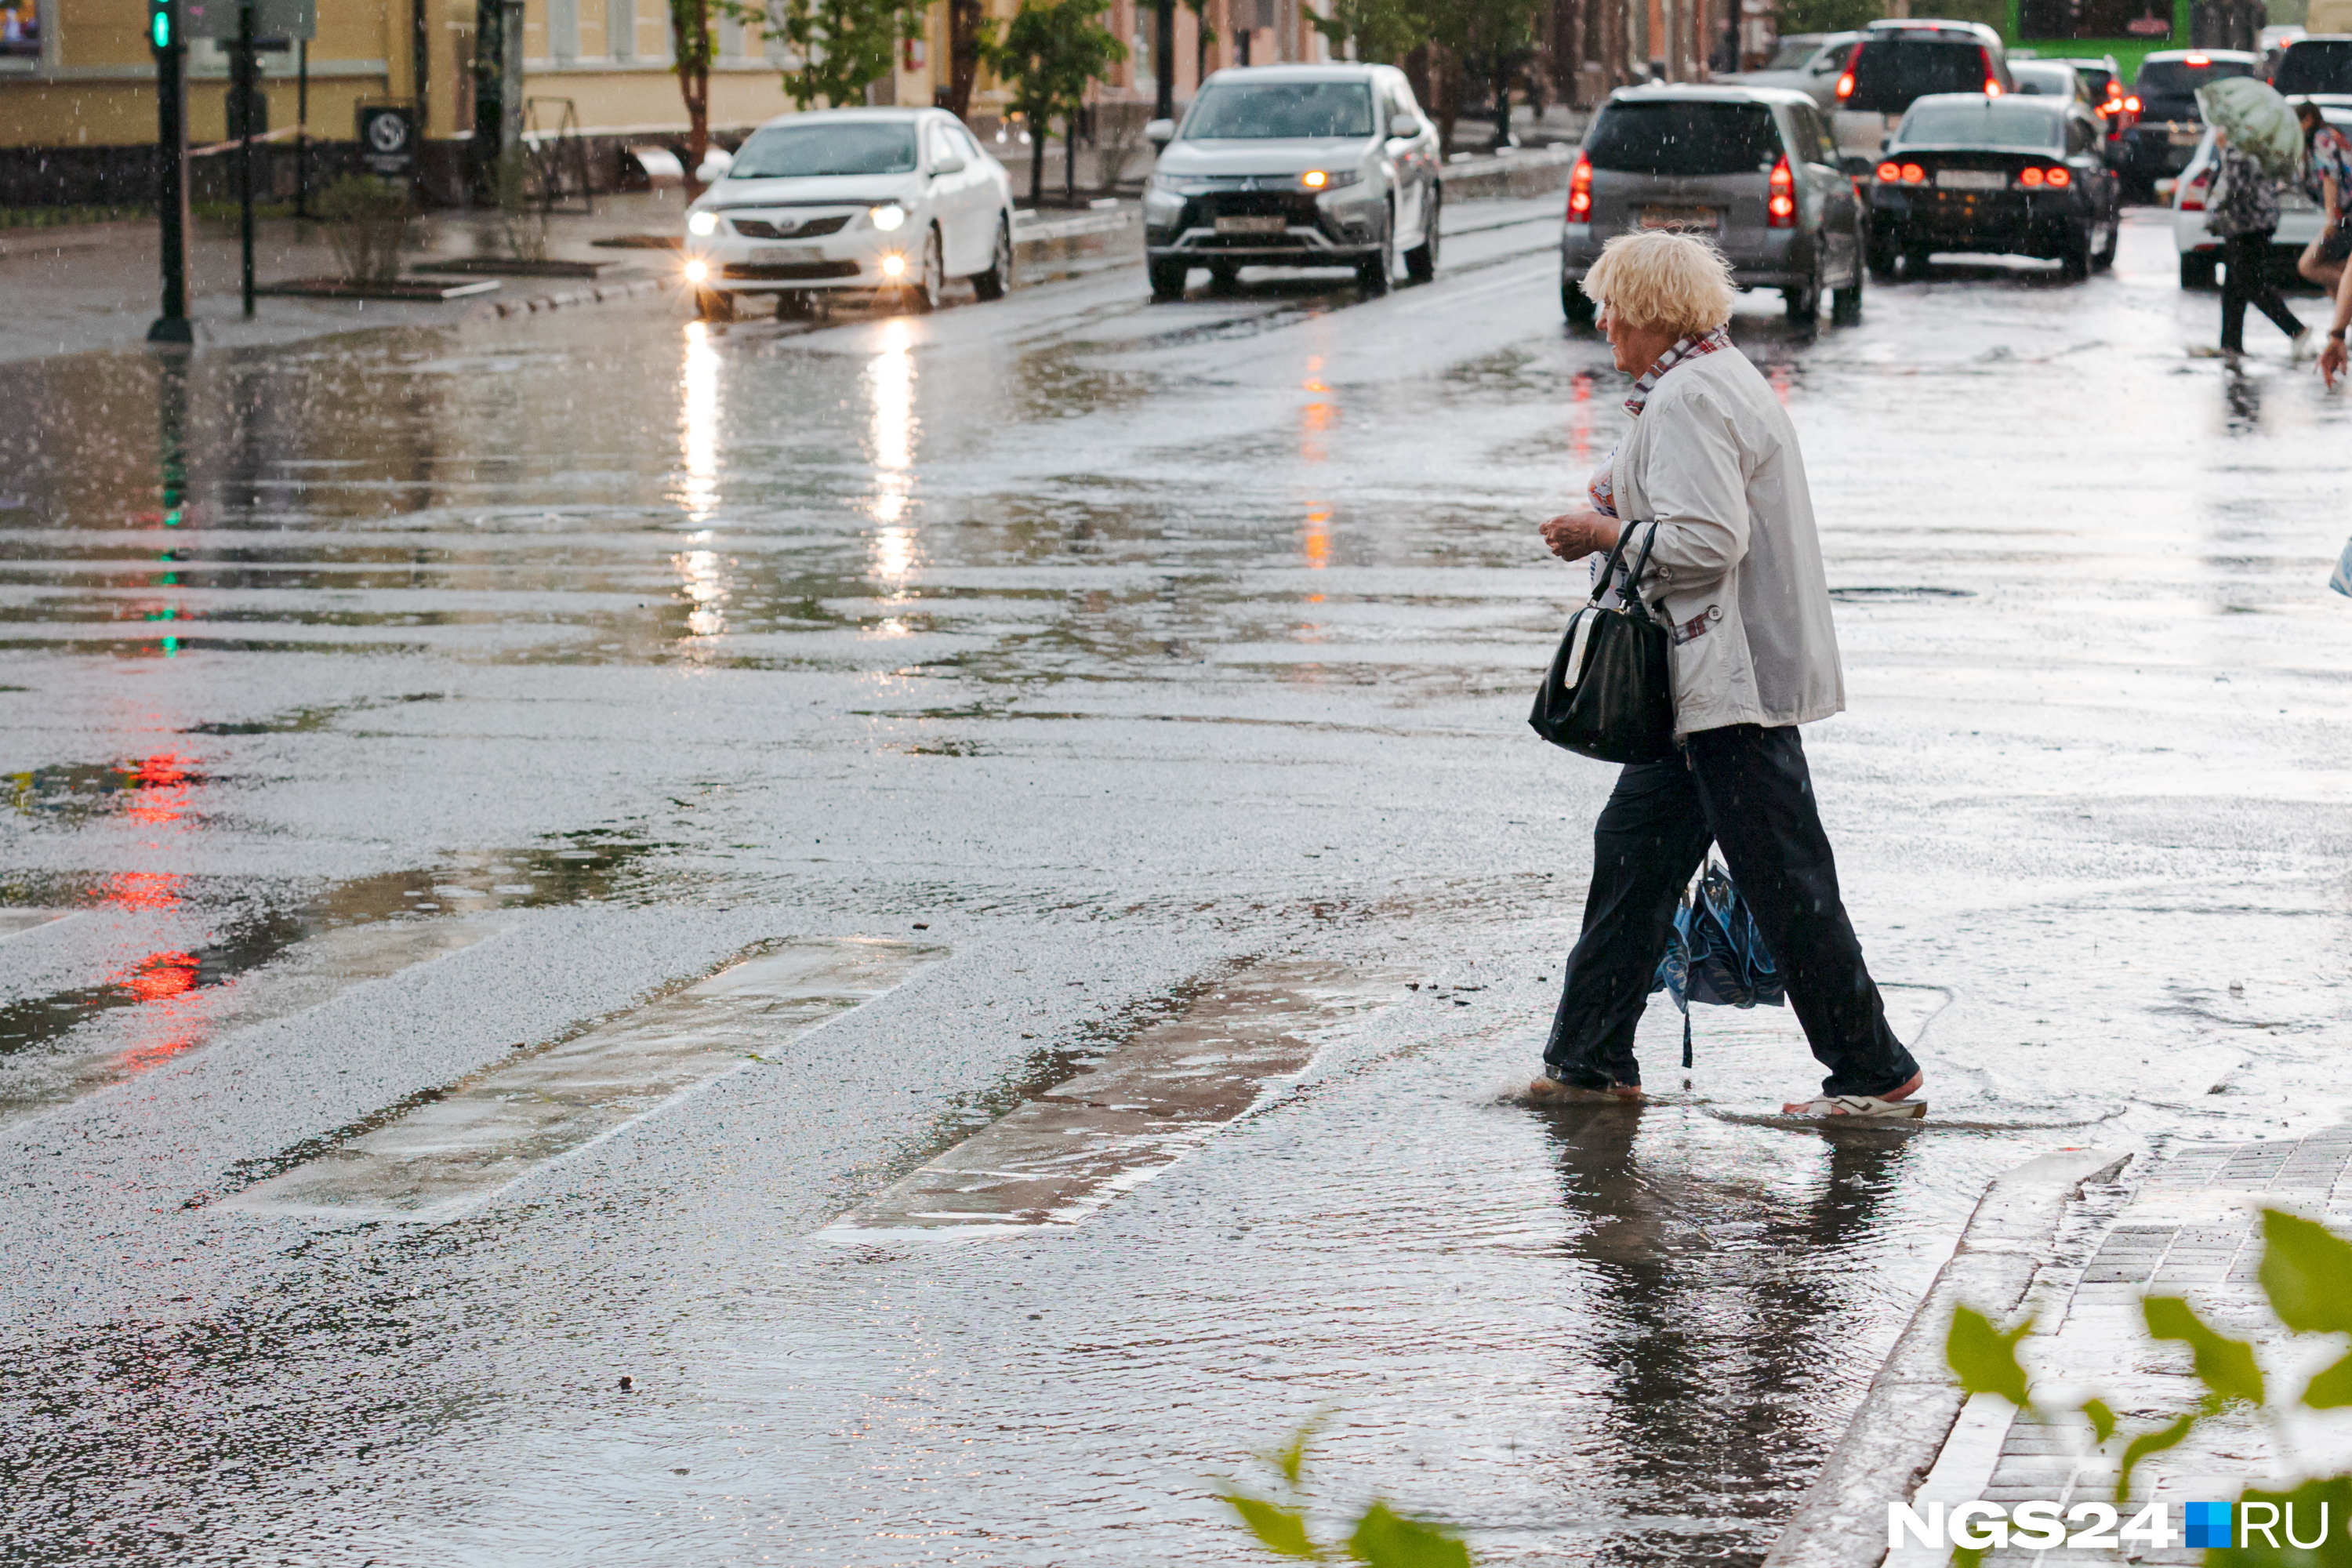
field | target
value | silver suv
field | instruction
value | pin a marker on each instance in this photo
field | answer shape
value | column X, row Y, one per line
column 1753, row 169
column 1294, row 167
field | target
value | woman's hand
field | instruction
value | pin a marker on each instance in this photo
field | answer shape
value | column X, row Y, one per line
column 1574, row 535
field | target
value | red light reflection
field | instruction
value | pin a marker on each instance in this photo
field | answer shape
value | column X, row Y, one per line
column 161, row 794
column 160, row 975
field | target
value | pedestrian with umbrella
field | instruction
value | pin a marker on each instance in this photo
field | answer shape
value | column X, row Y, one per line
column 2257, row 141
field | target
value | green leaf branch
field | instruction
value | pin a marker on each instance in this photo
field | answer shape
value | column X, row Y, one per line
column 1380, row 1536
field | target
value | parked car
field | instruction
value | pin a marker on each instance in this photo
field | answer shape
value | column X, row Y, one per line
column 1752, row 168
column 2118, row 106
column 890, row 200
column 2012, row 174
column 2201, row 249
column 2169, row 123
column 2315, row 67
column 1329, row 166
column 1895, row 64
column 1810, row 63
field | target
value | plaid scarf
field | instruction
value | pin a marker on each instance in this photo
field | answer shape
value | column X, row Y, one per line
column 1602, row 490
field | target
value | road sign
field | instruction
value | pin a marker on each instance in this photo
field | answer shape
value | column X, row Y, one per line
column 271, row 18
column 388, row 137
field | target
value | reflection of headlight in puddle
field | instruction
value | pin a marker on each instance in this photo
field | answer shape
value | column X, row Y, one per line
column 893, row 266
column 702, row 224
column 696, row 271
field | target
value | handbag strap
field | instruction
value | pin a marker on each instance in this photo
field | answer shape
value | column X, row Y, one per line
column 1633, row 580
column 1609, row 567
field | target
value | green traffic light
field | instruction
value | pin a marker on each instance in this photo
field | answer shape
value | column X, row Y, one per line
column 162, row 29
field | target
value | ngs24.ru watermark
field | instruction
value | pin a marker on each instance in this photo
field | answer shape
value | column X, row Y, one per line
column 2039, row 1526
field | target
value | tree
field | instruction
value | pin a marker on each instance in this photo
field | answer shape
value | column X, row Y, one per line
column 1827, row 16
column 1497, row 33
column 691, row 51
column 1052, row 52
column 840, row 46
column 1382, row 31
column 969, row 33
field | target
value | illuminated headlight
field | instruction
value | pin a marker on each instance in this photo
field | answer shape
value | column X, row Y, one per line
column 888, row 217
column 696, row 271
column 895, row 265
column 1329, row 179
column 702, row 226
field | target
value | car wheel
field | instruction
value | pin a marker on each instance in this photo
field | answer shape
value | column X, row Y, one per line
column 2105, row 256
column 714, row 304
column 992, row 284
column 2075, row 264
column 1420, row 261
column 1914, row 262
column 1804, row 302
column 1576, row 304
column 1375, row 272
column 924, row 291
column 1168, row 278
column 1846, row 305
column 1885, row 250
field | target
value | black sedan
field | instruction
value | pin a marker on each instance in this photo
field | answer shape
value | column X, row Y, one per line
column 2022, row 176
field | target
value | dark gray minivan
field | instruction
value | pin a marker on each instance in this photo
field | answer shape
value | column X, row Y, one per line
column 1754, row 169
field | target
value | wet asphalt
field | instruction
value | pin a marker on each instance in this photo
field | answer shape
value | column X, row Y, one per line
column 379, row 708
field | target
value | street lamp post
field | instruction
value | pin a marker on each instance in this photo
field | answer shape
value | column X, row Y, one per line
column 1163, row 71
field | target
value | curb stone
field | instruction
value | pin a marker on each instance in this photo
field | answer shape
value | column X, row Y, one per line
column 1912, row 1403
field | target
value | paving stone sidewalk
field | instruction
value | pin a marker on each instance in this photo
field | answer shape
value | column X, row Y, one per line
column 2188, row 1228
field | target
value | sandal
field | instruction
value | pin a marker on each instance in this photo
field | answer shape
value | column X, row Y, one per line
column 1865, row 1106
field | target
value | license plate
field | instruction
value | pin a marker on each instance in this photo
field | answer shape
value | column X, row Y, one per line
column 2188, row 138
column 1971, row 180
column 1681, row 218
column 1251, row 226
column 777, row 253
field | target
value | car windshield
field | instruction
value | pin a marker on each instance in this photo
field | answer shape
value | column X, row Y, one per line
column 1983, row 122
column 1279, row 110
column 2325, row 66
column 1792, row 54
column 1892, row 73
column 1684, row 138
column 840, row 147
column 2176, row 82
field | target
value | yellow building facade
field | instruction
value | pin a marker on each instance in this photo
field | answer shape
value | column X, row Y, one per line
column 79, row 74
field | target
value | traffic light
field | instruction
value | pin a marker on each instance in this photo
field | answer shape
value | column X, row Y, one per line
column 161, row 24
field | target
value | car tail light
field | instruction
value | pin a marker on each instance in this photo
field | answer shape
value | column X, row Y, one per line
column 2031, row 179
column 2132, row 104
column 1992, row 83
column 1580, row 190
column 1992, row 88
column 1781, row 208
column 2192, row 194
column 1845, row 85
column 2199, row 61
column 1890, row 174
column 1913, row 174
column 1845, row 82
column 2058, row 179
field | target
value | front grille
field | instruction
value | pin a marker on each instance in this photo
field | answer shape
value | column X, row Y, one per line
column 1295, row 208
column 787, row 271
column 806, row 228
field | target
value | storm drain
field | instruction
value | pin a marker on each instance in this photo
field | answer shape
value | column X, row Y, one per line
column 1063, row 1155
column 499, row 1124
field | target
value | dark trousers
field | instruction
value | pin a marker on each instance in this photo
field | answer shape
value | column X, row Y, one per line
column 2246, row 278
column 1747, row 789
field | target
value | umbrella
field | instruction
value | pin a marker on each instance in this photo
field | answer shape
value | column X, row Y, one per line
column 1716, row 955
column 2258, row 122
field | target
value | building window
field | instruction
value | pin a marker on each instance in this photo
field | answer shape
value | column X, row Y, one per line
column 20, row 30
column 621, row 28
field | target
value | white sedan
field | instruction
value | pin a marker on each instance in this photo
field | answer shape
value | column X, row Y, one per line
column 2201, row 248
column 890, row 200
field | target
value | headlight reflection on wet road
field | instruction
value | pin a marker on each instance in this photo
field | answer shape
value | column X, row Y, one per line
column 890, row 435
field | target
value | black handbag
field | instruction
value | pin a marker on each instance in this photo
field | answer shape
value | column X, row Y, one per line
column 1609, row 694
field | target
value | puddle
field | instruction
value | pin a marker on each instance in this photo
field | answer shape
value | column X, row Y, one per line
column 1134, row 1112
column 450, row 1148
column 152, row 789
column 173, row 982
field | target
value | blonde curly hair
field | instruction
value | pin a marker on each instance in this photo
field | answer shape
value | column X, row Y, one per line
column 1660, row 280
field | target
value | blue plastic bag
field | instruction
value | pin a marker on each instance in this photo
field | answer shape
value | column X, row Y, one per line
column 1716, row 955
column 2341, row 578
